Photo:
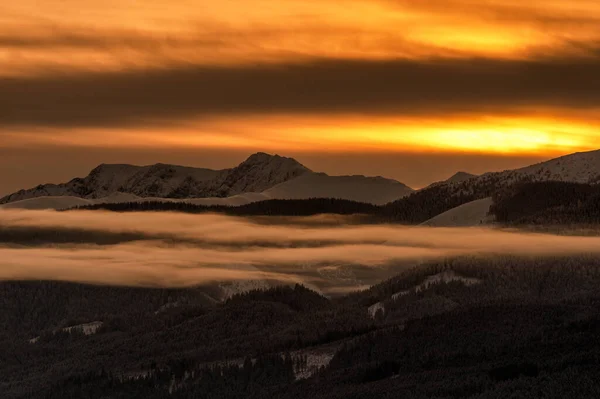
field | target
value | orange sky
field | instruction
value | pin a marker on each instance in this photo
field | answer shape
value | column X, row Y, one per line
column 498, row 77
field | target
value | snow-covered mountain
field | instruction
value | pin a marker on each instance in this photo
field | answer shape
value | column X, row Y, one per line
column 436, row 199
column 582, row 167
column 261, row 177
column 258, row 173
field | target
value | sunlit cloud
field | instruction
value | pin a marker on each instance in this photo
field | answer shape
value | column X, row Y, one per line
column 222, row 248
column 117, row 35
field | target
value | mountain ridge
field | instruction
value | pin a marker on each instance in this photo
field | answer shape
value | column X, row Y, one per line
column 257, row 173
column 260, row 177
column 580, row 167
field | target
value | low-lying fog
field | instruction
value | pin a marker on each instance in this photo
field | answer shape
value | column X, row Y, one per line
column 174, row 249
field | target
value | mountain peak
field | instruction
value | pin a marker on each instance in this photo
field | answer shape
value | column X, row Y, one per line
column 262, row 158
column 262, row 171
column 460, row 177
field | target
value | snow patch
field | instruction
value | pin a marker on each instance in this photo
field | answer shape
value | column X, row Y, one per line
column 307, row 362
column 232, row 288
column 374, row 190
column 86, row 329
column 314, row 362
column 39, row 203
column 166, row 307
column 373, row 309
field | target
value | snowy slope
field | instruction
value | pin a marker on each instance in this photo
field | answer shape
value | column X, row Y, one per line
column 583, row 167
column 470, row 214
column 375, row 190
column 58, row 203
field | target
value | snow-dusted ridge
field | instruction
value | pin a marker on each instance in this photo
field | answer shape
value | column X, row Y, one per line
column 261, row 177
column 256, row 174
column 581, row 167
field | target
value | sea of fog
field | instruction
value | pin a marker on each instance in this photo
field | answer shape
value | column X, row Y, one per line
column 330, row 253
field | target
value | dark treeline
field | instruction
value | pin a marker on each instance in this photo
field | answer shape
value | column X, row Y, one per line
column 298, row 298
column 548, row 203
column 424, row 205
column 182, row 380
column 521, row 326
column 414, row 209
column 308, row 207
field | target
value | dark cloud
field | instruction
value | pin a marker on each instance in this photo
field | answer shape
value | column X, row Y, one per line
column 400, row 87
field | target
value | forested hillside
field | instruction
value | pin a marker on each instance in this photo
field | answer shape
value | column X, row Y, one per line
column 470, row 327
column 548, row 203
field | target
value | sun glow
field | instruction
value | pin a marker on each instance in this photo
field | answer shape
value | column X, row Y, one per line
column 499, row 135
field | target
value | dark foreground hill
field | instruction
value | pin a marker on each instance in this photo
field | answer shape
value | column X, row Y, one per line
column 464, row 328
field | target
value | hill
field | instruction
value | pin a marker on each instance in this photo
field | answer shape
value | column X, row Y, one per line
column 470, row 327
column 373, row 190
column 437, row 199
column 470, row 214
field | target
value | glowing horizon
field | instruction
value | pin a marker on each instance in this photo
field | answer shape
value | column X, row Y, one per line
column 501, row 135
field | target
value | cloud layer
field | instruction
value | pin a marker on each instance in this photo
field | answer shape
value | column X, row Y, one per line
column 182, row 250
column 401, row 87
